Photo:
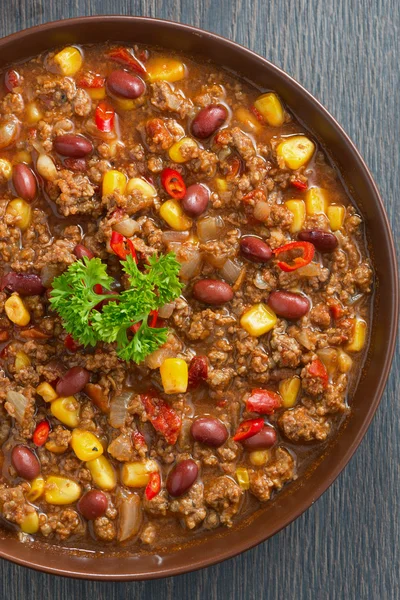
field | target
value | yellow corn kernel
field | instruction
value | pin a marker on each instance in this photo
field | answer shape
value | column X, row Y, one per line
column 125, row 103
column 137, row 474
column 242, row 476
column 258, row 319
column 22, row 361
column 336, row 214
column 30, row 524
column 47, row 392
column 69, row 60
column 16, row 311
column 289, row 390
column 32, row 113
column 51, row 446
column 61, row 490
column 296, row 151
column 66, row 410
column 165, row 69
column 37, row 489
column 137, row 184
column 248, row 121
column 22, row 156
column 344, row 362
column 172, row 212
column 298, row 209
column 222, row 184
column 21, row 211
column 86, row 445
column 258, row 458
column 96, row 93
column 112, row 181
column 175, row 152
column 5, row 169
column 102, row 472
column 316, row 201
column 270, row 108
column 174, row 375
column 359, row 336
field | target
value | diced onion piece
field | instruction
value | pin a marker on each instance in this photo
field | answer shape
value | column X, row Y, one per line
column 119, row 409
column 311, row 270
column 304, row 339
column 190, row 261
column 128, row 227
column 46, row 168
column 262, row 211
column 48, row 273
column 130, row 517
column 166, row 311
column 9, row 130
column 209, row 228
column 174, row 236
column 19, row 403
column 329, row 357
column 260, row 282
column 230, row 271
column 156, row 358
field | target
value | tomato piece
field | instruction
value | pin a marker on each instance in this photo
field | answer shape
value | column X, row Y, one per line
column 248, row 428
column 318, row 369
column 163, row 417
column 126, row 58
column 104, row 117
column 198, row 371
column 264, row 402
column 154, row 485
column 300, row 185
column 33, row 333
column 91, row 80
column 138, row 440
column 41, row 433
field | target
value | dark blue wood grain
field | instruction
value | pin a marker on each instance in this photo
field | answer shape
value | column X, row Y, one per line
column 346, row 547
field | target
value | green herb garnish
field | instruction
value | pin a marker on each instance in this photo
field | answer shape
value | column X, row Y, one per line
column 74, row 298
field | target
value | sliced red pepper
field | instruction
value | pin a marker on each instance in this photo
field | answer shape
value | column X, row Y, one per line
column 124, row 57
column 248, row 428
column 335, row 308
column 138, row 439
column 198, row 371
column 118, row 245
column 11, row 80
column 41, row 433
column 264, row 402
column 257, row 114
column 104, row 117
column 300, row 185
column 163, row 417
column 235, row 167
column 173, row 183
column 318, row 369
column 91, row 80
column 154, row 485
column 306, row 249
column 153, row 322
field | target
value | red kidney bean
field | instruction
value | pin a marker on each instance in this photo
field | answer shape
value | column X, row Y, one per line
column 76, row 164
column 212, row 291
column 25, row 462
column 196, row 199
column 93, row 504
column 255, row 249
column 80, row 251
column 24, row 182
column 288, row 304
column 124, row 84
column 198, row 371
column 182, row 477
column 25, row 284
column 74, row 146
column 208, row 120
column 322, row 240
column 73, row 381
column 209, row 431
column 265, row 438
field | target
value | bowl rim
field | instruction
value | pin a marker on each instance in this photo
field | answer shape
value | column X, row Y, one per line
column 327, row 481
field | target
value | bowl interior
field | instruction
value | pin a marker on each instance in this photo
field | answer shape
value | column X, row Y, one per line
column 298, row 496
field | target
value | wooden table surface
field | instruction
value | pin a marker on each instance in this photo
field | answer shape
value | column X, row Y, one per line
column 345, row 547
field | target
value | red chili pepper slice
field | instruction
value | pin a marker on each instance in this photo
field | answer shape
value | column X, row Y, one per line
column 318, row 369
column 154, row 485
column 198, row 371
column 104, row 117
column 118, row 245
column 248, row 428
column 153, row 318
column 257, row 114
column 91, row 80
column 163, row 417
column 124, row 57
column 300, row 185
column 41, row 433
column 264, row 402
column 306, row 249
column 173, row 183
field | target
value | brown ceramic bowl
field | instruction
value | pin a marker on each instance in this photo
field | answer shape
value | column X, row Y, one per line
column 298, row 496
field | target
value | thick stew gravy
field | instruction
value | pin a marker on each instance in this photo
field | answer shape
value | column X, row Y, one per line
column 113, row 155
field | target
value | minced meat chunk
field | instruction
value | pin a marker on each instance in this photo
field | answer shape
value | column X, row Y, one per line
column 224, row 495
column 299, row 425
column 273, row 476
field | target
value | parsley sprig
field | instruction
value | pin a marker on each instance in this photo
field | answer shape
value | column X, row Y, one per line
column 74, row 299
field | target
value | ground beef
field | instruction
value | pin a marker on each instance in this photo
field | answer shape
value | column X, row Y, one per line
column 166, row 99
column 320, row 316
column 224, row 495
column 121, row 448
column 82, row 103
column 74, row 194
column 273, row 476
column 190, row 507
column 298, row 425
column 158, row 505
column 14, row 506
column 287, row 352
column 310, row 383
column 104, row 529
